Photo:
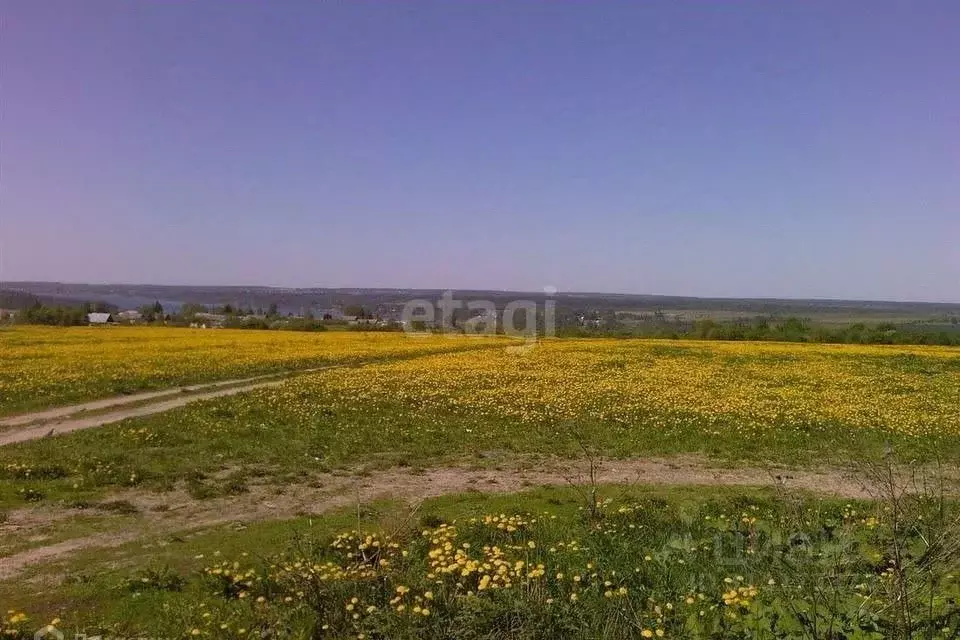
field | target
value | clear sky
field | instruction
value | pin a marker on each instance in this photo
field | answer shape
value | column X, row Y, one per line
column 783, row 149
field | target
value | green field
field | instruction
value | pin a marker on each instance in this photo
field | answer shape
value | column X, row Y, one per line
column 133, row 528
column 680, row 564
column 732, row 403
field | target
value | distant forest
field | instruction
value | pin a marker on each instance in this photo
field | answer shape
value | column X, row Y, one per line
column 791, row 329
column 577, row 315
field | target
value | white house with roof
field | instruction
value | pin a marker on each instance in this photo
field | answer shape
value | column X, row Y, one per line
column 99, row 318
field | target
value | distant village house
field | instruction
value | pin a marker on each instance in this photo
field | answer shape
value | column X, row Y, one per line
column 99, row 318
column 130, row 316
column 204, row 320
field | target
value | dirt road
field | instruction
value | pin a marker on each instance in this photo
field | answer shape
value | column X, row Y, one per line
column 180, row 512
column 32, row 426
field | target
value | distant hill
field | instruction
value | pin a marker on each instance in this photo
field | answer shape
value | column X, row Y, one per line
column 10, row 299
column 299, row 300
column 21, row 299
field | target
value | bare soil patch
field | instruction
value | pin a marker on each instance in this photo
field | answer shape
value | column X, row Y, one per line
column 175, row 511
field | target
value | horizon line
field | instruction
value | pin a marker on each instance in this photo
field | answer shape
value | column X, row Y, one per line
column 557, row 292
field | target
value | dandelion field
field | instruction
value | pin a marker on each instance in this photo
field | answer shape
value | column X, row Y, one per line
column 636, row 396
column 735, row 402
column 579, row 562
column 43, row 367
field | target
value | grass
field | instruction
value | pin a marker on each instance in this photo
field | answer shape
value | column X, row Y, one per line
column 687, row 563
column 417, row 404
column 736, row 403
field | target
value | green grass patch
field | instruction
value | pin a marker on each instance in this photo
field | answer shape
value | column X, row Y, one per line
column 682, row 563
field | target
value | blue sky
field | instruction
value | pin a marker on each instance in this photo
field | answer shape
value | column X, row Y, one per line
column 781, row 149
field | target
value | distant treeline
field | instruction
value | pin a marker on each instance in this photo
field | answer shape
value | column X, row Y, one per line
column 789, row 330
column 57, row 315
column 31, row 310
column 288, row 324
column 25, row 309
